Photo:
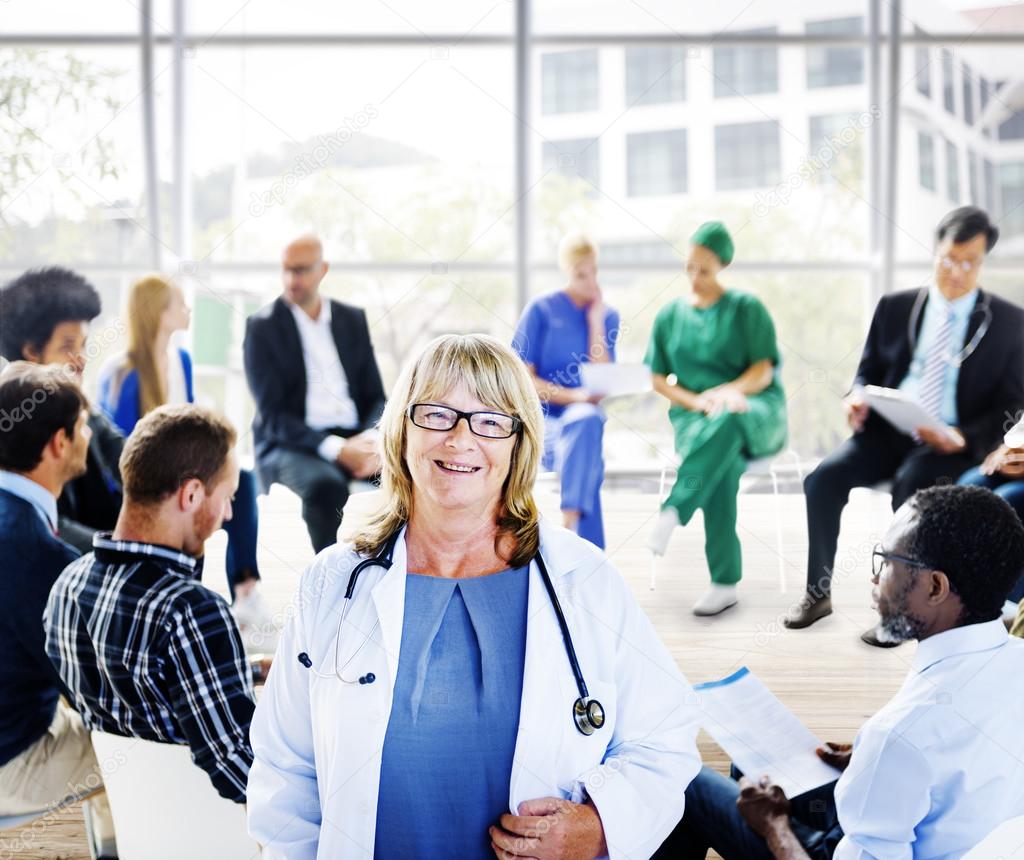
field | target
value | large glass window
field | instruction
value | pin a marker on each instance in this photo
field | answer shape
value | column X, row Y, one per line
column 655, row 75
column 745, row 70
column 922, row 67
column 835, row 66
column 968, row 95
column 948, row 87
column 578, row 159
column 569, row 81
column 656, row 161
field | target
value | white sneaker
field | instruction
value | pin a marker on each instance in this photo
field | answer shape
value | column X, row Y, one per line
column 662, row 531
column 716, row 599
column 257, row 626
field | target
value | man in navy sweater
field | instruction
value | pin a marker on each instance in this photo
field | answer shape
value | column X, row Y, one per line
column 45, row 753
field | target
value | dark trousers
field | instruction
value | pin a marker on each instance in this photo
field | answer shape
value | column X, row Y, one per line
column 863, row 460
column 242, row 531
column 711, row 820
column 322, row 486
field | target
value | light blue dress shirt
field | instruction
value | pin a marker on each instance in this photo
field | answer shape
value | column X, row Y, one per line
column 961, row 308
column 35, row 494
column 451, row 737
column 942, row 764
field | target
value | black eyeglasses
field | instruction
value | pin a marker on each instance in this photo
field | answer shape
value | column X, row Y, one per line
column 490, row 425
column 879, row 557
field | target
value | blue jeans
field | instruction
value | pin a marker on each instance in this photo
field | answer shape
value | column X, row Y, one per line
column 1011, row 489
column 242, row 530
column 711, row 820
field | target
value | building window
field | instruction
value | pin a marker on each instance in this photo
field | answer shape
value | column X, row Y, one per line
column 745, row 70
column 835, row 66
column 569, row 82
column 989, row 175
column 1011, row 185
column 655, row 75
column 1013, row 128
column 575, row 159
column 952, row 172
column 747, row 155
column 926, row 160
column 834, row 140
column 968, row 89
column 656, row 162
column 923, row 67
column 972, row 178
column 948, row 92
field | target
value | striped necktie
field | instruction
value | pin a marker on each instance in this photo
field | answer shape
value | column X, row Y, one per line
column 934, row 377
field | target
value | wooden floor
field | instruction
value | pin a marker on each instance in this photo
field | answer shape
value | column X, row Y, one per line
column 825, row 675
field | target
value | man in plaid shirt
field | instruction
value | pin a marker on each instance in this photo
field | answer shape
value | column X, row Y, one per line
column 145, row 649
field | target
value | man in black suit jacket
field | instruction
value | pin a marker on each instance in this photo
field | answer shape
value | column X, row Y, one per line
column 310, row 366
column 978, row 377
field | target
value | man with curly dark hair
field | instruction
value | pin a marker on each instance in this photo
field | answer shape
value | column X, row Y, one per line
column 46, row 315
column 939, row 767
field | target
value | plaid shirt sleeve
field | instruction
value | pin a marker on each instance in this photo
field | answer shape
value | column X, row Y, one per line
column 210, row 687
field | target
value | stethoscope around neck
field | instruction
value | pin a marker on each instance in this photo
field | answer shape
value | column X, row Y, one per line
column 982, row 306
column 587, row 713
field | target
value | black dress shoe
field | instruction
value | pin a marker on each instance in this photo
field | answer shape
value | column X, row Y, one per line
column 877, row 639
column 811, row 610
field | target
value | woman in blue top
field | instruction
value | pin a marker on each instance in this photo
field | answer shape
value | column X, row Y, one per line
column 556, row 334
column 152, row 373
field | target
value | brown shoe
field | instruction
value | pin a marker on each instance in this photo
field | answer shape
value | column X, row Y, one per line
column 811, row 610
column 878, row 639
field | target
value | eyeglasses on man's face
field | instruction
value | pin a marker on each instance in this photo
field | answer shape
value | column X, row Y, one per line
column 490, row 425
column 965, row 266
column 879, row 558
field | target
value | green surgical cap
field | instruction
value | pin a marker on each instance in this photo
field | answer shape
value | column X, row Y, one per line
column 713, row 236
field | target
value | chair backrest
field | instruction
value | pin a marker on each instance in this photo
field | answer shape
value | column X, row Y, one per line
column 166, row 808
column 1006, row 841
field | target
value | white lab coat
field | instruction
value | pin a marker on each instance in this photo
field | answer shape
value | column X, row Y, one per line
column 317, row 742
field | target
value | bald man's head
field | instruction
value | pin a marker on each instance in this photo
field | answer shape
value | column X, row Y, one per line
column 302, row 269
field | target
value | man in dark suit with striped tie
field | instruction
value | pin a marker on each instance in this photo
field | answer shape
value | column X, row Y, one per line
column 956, row 350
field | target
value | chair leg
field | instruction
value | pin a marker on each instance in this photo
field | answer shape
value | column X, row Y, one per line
column 654, row 571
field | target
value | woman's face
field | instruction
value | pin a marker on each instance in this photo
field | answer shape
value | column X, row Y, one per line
column 177, row 315
column 583, row 279
column 455, row 469
column 702, row 268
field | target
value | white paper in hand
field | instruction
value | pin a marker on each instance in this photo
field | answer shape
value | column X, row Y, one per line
column 613, row 379
column 761, row 735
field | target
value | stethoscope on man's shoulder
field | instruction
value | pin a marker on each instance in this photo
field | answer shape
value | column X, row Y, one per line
column 587, row 713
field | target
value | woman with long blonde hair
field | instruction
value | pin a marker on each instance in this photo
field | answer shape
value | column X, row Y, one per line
column 152, row 372
column 428, row 697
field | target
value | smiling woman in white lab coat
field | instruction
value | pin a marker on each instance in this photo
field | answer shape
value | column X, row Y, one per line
column 485, row 684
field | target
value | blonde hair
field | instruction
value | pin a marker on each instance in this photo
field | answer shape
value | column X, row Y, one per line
column 494, row 375
column 573, row 248
column 147, row 301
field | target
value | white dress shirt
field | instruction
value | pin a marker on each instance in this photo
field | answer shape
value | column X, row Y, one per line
column 942, row 764
column 328, row 402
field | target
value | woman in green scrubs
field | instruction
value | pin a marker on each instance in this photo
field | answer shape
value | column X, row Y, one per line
column 713, row 355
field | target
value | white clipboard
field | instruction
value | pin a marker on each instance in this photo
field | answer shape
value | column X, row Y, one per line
column 613, row 379
column 904, row 414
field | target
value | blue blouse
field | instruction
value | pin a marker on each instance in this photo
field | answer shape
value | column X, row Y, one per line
column 447, row 759
column 554, row 337
column 119, row 393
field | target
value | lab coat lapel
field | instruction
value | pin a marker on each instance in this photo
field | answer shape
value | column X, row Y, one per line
column 389, row 601
column 547, row 682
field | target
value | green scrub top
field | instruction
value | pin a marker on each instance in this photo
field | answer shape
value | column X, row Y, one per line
column 705, row 347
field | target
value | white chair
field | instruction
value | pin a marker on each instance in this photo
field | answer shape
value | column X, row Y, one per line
column 166, row 808
column 1006, row 842
column 771, row 467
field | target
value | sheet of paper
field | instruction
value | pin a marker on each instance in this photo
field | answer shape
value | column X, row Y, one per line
column 612, row 379
column 761, row 735
column 904, row 414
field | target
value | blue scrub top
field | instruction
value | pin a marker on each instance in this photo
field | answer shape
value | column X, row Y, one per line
column 553, row 336
column 447, row 760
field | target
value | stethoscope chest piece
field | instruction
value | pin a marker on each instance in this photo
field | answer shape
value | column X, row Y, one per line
column 588, row 715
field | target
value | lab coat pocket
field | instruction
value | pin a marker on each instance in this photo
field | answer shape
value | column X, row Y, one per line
column 581, row 753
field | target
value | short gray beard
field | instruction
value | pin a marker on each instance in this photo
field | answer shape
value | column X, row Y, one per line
column 901, row 627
